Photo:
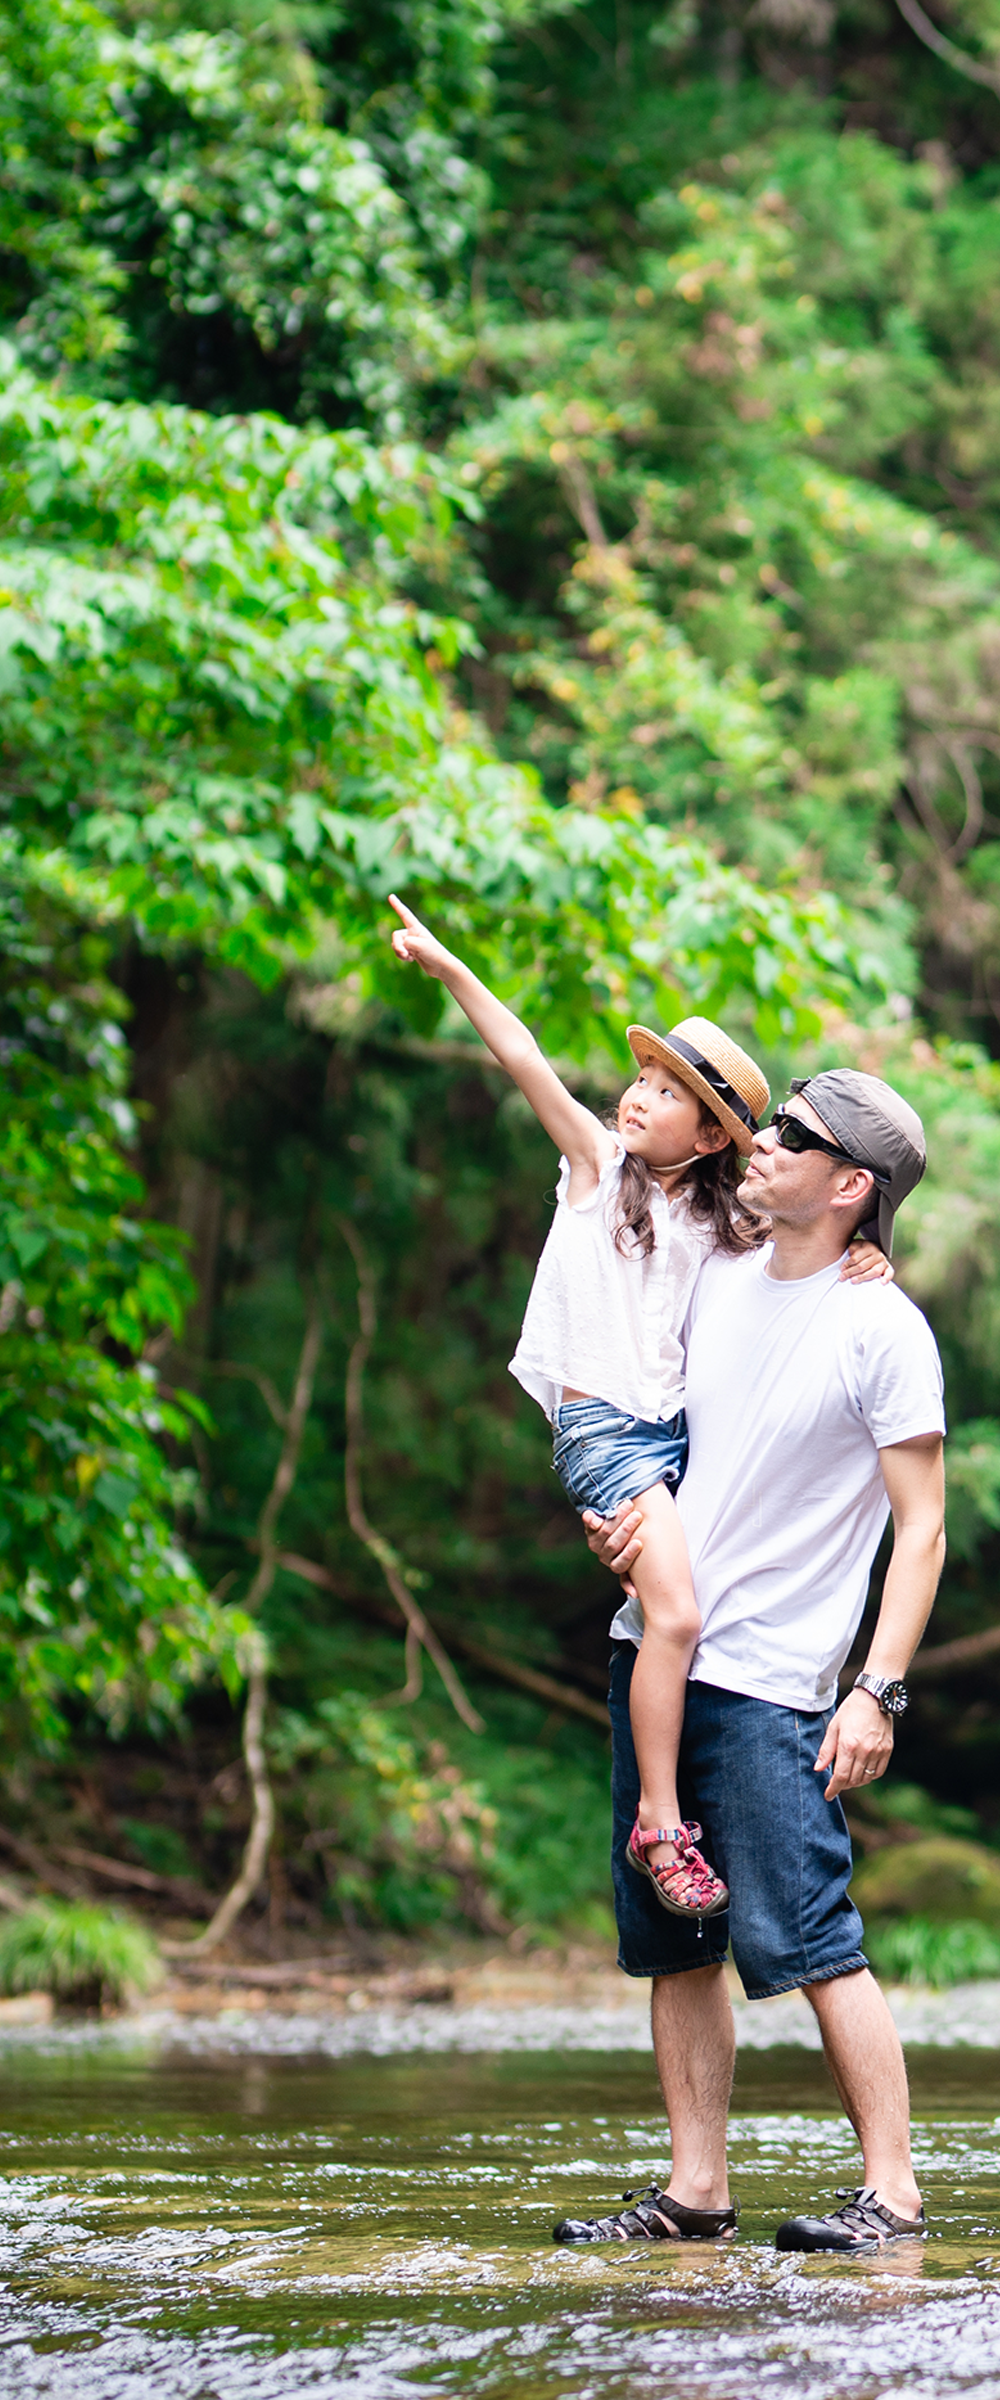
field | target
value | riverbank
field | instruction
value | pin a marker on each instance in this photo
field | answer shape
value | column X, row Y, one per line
column 297, row 2008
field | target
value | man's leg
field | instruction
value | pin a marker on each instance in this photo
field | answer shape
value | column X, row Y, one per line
column 692, row 2021
column 695, row 2043
column 865, row 2058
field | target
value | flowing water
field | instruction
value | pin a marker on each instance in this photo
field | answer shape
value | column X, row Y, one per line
column 190, row 2226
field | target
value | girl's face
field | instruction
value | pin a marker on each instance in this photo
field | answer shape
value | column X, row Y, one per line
column 659, row 1120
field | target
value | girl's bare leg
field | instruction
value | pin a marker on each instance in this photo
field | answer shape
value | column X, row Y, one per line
column 662, row 1578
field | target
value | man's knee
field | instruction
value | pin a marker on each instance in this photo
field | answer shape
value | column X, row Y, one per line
column 836, row 1991
column 691, row 1988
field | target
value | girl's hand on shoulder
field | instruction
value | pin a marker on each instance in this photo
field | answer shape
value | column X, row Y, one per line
column 415, row 945
column 866, row 1263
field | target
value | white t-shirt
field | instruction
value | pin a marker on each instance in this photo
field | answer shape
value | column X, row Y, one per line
column 607, row 1323
column 792, row 1391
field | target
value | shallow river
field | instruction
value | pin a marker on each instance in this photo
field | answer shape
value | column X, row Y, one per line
column 199, row 2227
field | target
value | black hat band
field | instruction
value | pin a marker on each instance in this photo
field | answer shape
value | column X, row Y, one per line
column 723, row 1090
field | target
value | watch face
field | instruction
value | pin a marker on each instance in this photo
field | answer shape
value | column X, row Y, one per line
column 894, row 1699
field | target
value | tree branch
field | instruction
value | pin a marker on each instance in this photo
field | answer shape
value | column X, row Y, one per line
column 923, row 806
column 507, row 1670
column 961, row 1653
column 580, row 490
column 288, row 1461
column 926, row 32
column 28, row 1855
column 973, row 793
column 232, row 1366
column 419, row 1634
column 262, row 1798
column 189, row 1896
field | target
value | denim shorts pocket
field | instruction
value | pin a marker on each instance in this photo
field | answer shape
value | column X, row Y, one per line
column 574, row 1464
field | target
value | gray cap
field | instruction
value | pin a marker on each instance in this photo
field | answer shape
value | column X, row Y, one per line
column 877, row 1129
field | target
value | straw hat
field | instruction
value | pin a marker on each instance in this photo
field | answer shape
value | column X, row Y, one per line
column 716, row 1068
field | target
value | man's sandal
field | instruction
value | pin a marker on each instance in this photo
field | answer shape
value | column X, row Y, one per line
column 688, row 1886
column 656, row 2217
column 864, row 2223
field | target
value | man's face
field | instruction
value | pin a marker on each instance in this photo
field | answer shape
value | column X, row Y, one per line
column 797, row 1187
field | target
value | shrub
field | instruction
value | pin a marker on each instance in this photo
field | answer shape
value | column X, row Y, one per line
column 948, row 1881
column 916, row 1950
column 405, row 1837
column 80, row 1954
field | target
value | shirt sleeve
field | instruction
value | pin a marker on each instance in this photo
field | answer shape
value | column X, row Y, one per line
column 901, row 1384
column 608, row 1177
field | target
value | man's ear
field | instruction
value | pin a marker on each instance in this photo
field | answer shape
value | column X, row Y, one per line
column 857, row 1185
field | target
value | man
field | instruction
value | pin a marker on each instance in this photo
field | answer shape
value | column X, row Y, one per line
column 814, row 1409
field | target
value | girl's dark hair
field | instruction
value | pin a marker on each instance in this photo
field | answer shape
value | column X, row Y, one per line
column 710, row 1188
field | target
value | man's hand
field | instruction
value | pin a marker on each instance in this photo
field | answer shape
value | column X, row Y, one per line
column 615, row 1540
column 857, row 1745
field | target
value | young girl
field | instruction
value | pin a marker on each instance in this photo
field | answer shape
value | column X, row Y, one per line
column 638, row 1212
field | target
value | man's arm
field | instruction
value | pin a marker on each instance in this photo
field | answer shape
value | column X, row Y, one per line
column 858, row 1744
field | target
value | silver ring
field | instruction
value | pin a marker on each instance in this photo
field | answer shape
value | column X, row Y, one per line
column 870, row 1774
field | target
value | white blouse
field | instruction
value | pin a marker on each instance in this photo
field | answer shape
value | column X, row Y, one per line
column 608, row 1324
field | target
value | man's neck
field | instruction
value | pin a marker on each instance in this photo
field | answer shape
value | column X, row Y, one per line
column 801, row 1250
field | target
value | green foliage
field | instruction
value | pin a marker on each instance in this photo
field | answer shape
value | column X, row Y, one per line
column 918, row 1950
column 241, row 202
column 716, row 613
column 159, row 1847
column 58, row 279
column 940, row 1876
column 403, row 1836
column 910, row 1805
column 81, row 1954
column 253, row 605
column 409, row 1832
column 973, row 1486
column 98, row 1603
column 433, row 388
column 550, row 1868
column 235, row 235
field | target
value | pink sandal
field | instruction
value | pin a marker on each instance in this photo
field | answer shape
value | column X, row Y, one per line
column 689, row 1887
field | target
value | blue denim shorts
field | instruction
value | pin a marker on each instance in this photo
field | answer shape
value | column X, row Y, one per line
column 603, row 1457
column 746, row 1775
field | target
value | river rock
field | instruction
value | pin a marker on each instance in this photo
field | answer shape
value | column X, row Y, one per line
column 941, row 1878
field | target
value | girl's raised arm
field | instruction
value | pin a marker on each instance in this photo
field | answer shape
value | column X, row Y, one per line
column 586, row 1142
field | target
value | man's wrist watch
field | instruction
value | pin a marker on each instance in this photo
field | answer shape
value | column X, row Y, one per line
column 891, row 1694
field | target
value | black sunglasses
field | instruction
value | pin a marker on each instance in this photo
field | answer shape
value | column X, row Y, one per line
column 793, row 1135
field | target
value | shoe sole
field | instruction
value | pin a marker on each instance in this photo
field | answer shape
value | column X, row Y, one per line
column 848, row 2249
column 587, row 2241
column 639, row 1867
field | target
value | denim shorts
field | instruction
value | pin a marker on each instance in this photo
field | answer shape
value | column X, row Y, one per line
column 746, row 1775
column 603, row 1457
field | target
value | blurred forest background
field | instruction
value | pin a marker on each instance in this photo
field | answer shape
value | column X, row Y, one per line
column 545, row 458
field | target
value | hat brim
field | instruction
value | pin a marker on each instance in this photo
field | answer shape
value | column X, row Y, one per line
column 880, row 1226
column 645, row 1044
column 886, row 1222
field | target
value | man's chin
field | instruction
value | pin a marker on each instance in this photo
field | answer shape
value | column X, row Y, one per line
column 751, row 1194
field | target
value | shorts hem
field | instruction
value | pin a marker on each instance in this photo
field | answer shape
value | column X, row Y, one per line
column 797, row 1983
column 683, row 1966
